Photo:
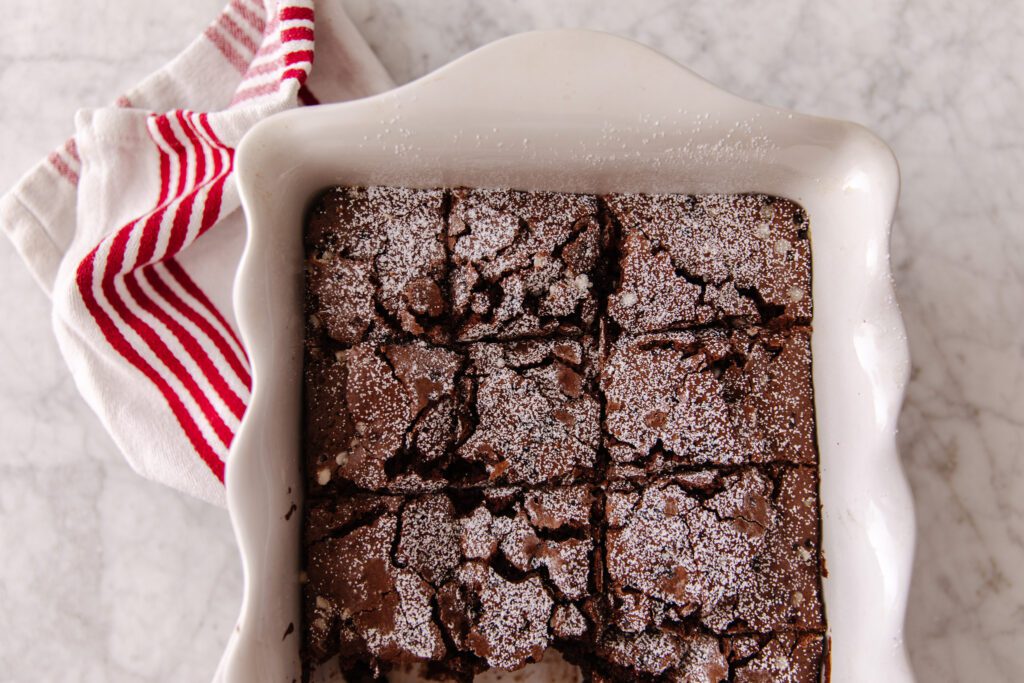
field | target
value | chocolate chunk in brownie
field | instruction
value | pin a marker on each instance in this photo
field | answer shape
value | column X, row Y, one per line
column 537, row 417
column 376, row 264
column 461, row 581
column 380, row 417
column 732, row 551
column 692, row 260
column 524, row 264
column 714, row 396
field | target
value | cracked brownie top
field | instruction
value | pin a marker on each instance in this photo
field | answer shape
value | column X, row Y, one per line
column 523, row 263
column 693, row 260
column 708, row 396
column 735, row 549
column 413, row 417
column 541, row 420
column 688, row 657
column 462, row 580
column 376, row 264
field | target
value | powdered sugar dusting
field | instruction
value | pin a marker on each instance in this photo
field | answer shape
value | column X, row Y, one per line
column 535, row 423
column 513, row 625
column 568, row 622
column 387, row 607
column 413, row 633
column 598, row 351
column 382, row 404
column 709, row 397
column 377, row 248
column 392, row 574
column 690, row 260
column 726, row 552
column 786, row 657
column 553, row 508
column 523, row 262
column 426, row 542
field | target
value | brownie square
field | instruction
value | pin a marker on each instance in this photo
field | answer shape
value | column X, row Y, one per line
column 356, row 599
column 376, row 264
column 665, row 655
column 708, row 397
column 784, row 657
column 380, row 417
column 524, row 264
column 536, row 416
column 696, row 657
column 729, row 551
column 459, row 581
column 413, row 417
column 693, row 260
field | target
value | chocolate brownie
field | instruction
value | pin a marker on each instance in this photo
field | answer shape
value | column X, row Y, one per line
column 380, row 417
column 784, row 657
column 536, row 413
column 699, row 563
column 666, row 655
column 698, row 657
column 414, row 417
column 542, row 420
column 736, row 550
column 376, row 264
column 693, row 260
column 708, row 397
column 524, row 264
column 458, row 581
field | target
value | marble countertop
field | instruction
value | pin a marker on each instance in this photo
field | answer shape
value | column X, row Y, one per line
column 107, row 577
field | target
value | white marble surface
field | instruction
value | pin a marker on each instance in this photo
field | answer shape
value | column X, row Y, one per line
column 106, row 577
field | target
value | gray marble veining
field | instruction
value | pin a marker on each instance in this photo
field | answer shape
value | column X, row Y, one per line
column 107, row 577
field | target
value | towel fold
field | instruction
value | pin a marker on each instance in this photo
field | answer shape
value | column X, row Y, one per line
column 133, row 228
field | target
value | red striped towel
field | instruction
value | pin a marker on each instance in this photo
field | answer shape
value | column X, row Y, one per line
column 133, row 229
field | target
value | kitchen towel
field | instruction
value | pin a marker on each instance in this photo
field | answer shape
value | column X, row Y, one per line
column 133, row 228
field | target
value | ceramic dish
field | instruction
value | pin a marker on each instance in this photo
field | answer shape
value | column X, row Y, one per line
column 586, row 112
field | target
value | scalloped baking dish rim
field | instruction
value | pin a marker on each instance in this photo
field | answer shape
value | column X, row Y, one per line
column 584, row 111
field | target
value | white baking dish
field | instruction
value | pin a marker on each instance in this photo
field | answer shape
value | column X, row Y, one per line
column 586, row 112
